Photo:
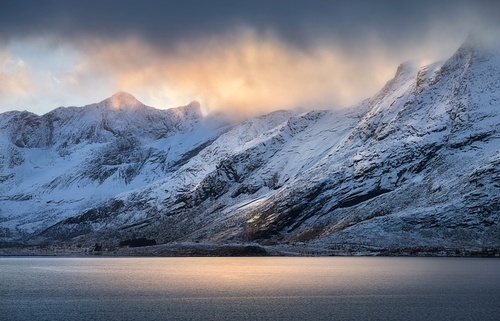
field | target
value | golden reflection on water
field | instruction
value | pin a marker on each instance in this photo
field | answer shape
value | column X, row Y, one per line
column 253, row 276
column 272, row 288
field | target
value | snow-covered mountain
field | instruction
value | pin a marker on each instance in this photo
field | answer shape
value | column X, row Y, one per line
column 56, row 165
column 417, row 165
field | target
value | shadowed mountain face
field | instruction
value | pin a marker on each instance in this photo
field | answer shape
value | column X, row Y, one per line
column 418, row 164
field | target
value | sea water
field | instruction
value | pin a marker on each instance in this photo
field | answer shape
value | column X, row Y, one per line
column 264, row 288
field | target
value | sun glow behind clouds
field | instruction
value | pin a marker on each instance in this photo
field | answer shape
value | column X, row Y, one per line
column 241, row 73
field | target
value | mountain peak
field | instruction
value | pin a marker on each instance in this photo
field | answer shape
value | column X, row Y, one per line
column 480, row 45
column 194, row 104
column 472, row 42
column 122, row 100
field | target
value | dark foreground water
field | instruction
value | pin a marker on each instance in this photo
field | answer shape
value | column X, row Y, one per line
column 249, row 289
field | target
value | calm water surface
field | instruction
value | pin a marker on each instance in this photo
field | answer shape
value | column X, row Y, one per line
column 249, row 289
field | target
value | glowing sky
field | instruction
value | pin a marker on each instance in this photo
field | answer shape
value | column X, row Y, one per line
column 240, row 56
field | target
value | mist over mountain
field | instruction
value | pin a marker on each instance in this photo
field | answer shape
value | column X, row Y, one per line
column 415, row 166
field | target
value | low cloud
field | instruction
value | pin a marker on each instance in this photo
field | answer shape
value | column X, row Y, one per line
column 248, row 73
column 243, row 73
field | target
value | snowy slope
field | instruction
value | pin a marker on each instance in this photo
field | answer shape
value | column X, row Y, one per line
column 415, row 165
column 420, row 169
column 55, row 165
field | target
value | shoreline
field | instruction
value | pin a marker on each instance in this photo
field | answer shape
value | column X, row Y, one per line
column 188, row 249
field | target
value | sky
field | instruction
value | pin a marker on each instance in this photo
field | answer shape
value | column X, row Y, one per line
column 241, row 57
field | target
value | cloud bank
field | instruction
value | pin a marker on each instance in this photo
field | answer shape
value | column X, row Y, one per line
column 243, row 73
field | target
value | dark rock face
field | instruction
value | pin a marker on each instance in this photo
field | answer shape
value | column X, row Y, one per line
column 417, row 165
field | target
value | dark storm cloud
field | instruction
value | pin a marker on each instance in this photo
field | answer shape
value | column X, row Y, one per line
column 168, row 22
